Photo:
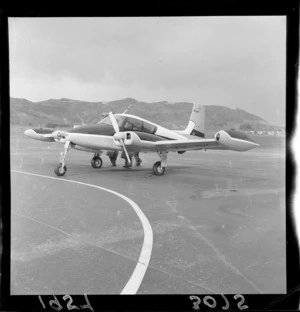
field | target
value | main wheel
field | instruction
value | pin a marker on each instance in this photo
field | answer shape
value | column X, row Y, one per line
column 96, row 162
column 60, row 170
column 158, row 169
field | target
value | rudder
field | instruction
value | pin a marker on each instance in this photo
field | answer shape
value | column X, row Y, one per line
column 196, row 124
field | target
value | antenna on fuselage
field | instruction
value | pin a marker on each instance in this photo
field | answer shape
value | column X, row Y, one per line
column 105, row 114
column 127, row 109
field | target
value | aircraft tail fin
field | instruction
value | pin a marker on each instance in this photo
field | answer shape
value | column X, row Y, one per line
column 196, row 124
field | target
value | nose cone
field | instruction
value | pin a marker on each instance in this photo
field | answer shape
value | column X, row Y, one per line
column 30, row 133
column 120, row 136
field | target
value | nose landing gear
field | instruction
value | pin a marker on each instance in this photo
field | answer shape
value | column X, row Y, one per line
column 61, row 169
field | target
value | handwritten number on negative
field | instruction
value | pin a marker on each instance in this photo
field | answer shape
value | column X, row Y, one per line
column 55, row 305
column 210, row 302
column 240, row 306
column 197, row 303
column 69, row 304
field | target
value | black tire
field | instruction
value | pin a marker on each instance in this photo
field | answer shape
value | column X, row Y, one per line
column 158, row 169
column 96, row 162
column 60, row 170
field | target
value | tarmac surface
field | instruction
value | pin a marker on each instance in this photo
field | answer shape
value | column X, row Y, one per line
column 217, row 220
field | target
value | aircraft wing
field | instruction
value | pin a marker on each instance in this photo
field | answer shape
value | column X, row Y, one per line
column 223, row 140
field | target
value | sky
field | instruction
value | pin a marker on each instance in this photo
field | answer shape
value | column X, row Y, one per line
column 230, row 61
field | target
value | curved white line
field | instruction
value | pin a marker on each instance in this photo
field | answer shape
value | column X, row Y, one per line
column 137, row 276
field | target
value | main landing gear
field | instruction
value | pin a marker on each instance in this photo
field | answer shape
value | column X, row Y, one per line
column 158, row 169
column 96, row 161
column 160, row 166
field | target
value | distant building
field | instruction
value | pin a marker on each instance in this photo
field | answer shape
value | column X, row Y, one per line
column 271, row 132
column 259, row 132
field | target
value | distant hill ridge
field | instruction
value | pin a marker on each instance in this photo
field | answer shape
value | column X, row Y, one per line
column 66, row 112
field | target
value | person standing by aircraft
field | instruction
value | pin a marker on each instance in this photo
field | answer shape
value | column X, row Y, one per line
column 131, row 155
column 137, row 159
column 113, row 155
column 127, row 164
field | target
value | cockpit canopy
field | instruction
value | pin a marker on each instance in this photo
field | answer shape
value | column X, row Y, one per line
column 126, row 123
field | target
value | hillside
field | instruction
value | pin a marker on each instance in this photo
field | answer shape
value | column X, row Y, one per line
column 66, row 112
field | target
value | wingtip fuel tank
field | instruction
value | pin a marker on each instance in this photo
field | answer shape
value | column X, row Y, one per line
column 39, row 134
column 235, row 140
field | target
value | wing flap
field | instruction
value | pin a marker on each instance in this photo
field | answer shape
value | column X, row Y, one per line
column 186, row 145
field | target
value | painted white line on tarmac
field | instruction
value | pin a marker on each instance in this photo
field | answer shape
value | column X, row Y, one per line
column 138, row 274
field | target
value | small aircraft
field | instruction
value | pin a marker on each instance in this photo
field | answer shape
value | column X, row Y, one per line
column 132, row 134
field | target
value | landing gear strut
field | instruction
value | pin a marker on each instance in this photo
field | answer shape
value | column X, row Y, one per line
column 96, row 161
column 160, row 166
column 61, row 169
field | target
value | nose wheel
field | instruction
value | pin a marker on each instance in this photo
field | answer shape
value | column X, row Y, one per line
column 60, row 170
column 96, row 162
